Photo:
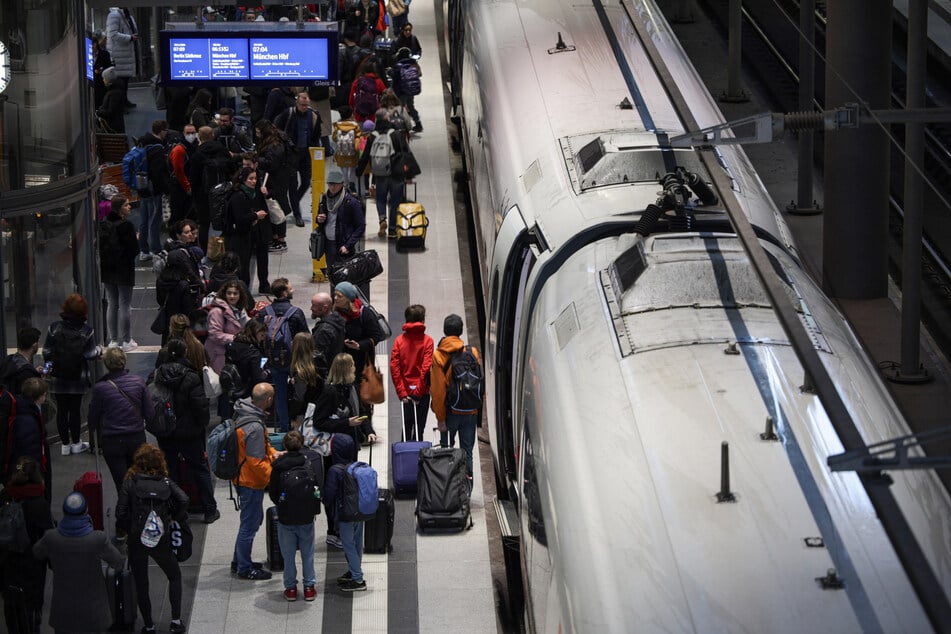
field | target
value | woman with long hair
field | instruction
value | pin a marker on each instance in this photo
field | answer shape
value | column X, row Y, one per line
column 277, row 166
column 179, row 327
column 198, row 111
column 147, row 489
column 247, row 229
column 226, row 316
column 338, row 406
column 70, row 344
column 304, row 378
column 22, row 571
column 246, row 353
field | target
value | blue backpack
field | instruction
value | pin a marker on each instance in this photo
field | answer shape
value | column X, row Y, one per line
column 223, row 450
column 135, row 168
column 409, row 77
column 360, row 494
column 279, row 338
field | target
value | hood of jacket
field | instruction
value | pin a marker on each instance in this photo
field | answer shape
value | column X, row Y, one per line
column 288, row 461
column 414, row 329
column 245, row 411
column 449, row 344
column 343, row 449
column 172, row 373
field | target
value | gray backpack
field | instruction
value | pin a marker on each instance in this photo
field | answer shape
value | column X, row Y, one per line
column 381, row 153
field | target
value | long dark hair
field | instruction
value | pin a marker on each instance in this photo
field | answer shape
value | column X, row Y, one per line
column 250, row 331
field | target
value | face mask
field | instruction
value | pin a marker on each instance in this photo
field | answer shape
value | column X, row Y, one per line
column 191, row 137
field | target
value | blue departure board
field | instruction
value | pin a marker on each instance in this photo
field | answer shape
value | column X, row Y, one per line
column 289, row 58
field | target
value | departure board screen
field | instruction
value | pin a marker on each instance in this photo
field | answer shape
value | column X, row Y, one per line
column 248, row 58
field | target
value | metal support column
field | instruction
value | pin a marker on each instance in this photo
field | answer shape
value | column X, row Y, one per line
column 734, row 90
column 911, row 370
column 855, row 226
column 805, row 204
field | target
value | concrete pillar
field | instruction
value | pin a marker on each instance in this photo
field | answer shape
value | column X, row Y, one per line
column 855, row 228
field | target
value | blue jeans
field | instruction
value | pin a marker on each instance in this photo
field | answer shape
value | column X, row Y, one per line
column 351, row 534
column 252, row 515
column 465, row 426
column 279, row 377
column 389, row 195
column 291, row 539
column 119, row 312
column 150, row 224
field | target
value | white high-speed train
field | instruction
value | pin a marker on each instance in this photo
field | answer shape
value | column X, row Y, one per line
column 628, row 336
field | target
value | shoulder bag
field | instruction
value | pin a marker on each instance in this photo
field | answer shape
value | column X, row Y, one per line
column 371, row 387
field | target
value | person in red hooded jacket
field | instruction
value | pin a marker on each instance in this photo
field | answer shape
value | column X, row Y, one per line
column 410, row 361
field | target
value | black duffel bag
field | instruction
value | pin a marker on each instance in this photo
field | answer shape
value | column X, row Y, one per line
column 360, row 268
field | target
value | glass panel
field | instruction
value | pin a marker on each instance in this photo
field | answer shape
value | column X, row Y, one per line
column 40, row 114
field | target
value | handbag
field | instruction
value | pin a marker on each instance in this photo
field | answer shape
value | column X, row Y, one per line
column 181, row 537
column 216, row 248
column 160, row 322
column 371, row 387
column 211, row 381
column 318, row 243
column 405, row 165
column 274, row 212
column 396, row 7
column 319, row 441
column 363, row 266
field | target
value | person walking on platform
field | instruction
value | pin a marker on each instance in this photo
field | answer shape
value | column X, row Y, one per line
column 410, row 361
column 292, row 490
column 303, row 125
column 381, row 146
column 341, row 216
column 255, row 456
column 455, row 415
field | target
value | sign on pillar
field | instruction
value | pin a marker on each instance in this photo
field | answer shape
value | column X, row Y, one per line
column 317, row 187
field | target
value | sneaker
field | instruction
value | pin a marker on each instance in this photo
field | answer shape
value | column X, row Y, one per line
column 382, row 232
column 333, row 540
column 299, row 222
column 176, row 628
column 353, row 586
column 391, row 234
column 145, row 257
column 80, row 447
column 290, row 594
column 344, row 577
column 278, row 247
column 418, row 127
column 256, row 574
column 66, row 449
column 214, row 516
column 147, row 629
column 310, row 593
column 113, row 344
column 255, row 565
column 129, row 345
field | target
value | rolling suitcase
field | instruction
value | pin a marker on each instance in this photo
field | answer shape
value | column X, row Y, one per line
column 122, row 600
column 442, row 489
column 411, row 223
column 405, row 461
column 378, row 532
column 275, row 560
column 90, row 485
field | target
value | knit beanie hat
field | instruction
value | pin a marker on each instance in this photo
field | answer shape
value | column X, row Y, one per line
column 347, row 290
column 74, row 504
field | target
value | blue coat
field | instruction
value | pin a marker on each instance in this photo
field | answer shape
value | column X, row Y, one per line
column 112, row 412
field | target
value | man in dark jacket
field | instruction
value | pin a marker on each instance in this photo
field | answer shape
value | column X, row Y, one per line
column 211, row 162
column 185, row 448
column 18, row 367
column 288, row 491
column 117, row 411
column 278, row 349
column 304, row 127
column 328, row 332
column 340, row 215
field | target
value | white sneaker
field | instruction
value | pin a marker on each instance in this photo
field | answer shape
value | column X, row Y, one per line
column 129, row 345
column 145, row 257
column 80, row 447
column 66, row 449
column 113, row 344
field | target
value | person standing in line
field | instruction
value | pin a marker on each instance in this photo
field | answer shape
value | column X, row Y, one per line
column 180, row 188
column 350, row 531
column 341, row 216
column 247, row 229
column 27, row 435
column 70, row 344
column 410, row 361
column 150, row 199
column 280, row 342
column 255, row 456
column 147, row 489
column 226, row 316
column 328, row 331
column 75, row 553
column 449, row 419
column 292, row 489
column 117, row 411
column 18, row 366
column 23, row 571
column 117, row 269
column 276, row 160
column 122, row 41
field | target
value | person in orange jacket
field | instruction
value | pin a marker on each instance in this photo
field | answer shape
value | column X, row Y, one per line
column 410, row 361
column 452, row 415
column 255, row 455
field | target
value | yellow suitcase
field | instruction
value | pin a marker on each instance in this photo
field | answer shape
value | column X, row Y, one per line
column 411, row 224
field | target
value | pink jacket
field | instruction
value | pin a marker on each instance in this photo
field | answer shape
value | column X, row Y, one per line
column 222, row 327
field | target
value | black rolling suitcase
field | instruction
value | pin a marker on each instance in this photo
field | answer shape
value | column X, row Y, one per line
column 122, row 600
column 275, row 561
column 442, row 489
column 378, row 532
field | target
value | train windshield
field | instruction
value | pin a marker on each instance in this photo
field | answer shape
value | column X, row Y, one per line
column 623, row 158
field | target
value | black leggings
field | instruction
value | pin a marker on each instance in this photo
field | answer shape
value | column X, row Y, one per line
column 68, row 419
column 139, row 562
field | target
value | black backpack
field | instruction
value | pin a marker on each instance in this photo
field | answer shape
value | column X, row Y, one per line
column 69, row 352
column 297, row 490
column 216, row 170
column 150, row 495
column 464, row 389
column 163, row 420
column 218, row 198
column 14, row 536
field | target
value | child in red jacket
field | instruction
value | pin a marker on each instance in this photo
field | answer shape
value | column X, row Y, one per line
column 410, row 360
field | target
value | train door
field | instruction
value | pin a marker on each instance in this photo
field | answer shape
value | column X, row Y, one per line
column 512, row 261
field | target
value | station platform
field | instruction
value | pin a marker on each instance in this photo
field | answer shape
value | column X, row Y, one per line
column 427, row 582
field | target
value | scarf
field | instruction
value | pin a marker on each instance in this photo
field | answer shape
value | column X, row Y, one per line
column 26, row 491
column 353, row 314
column 249, row 192
column 75, row 525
